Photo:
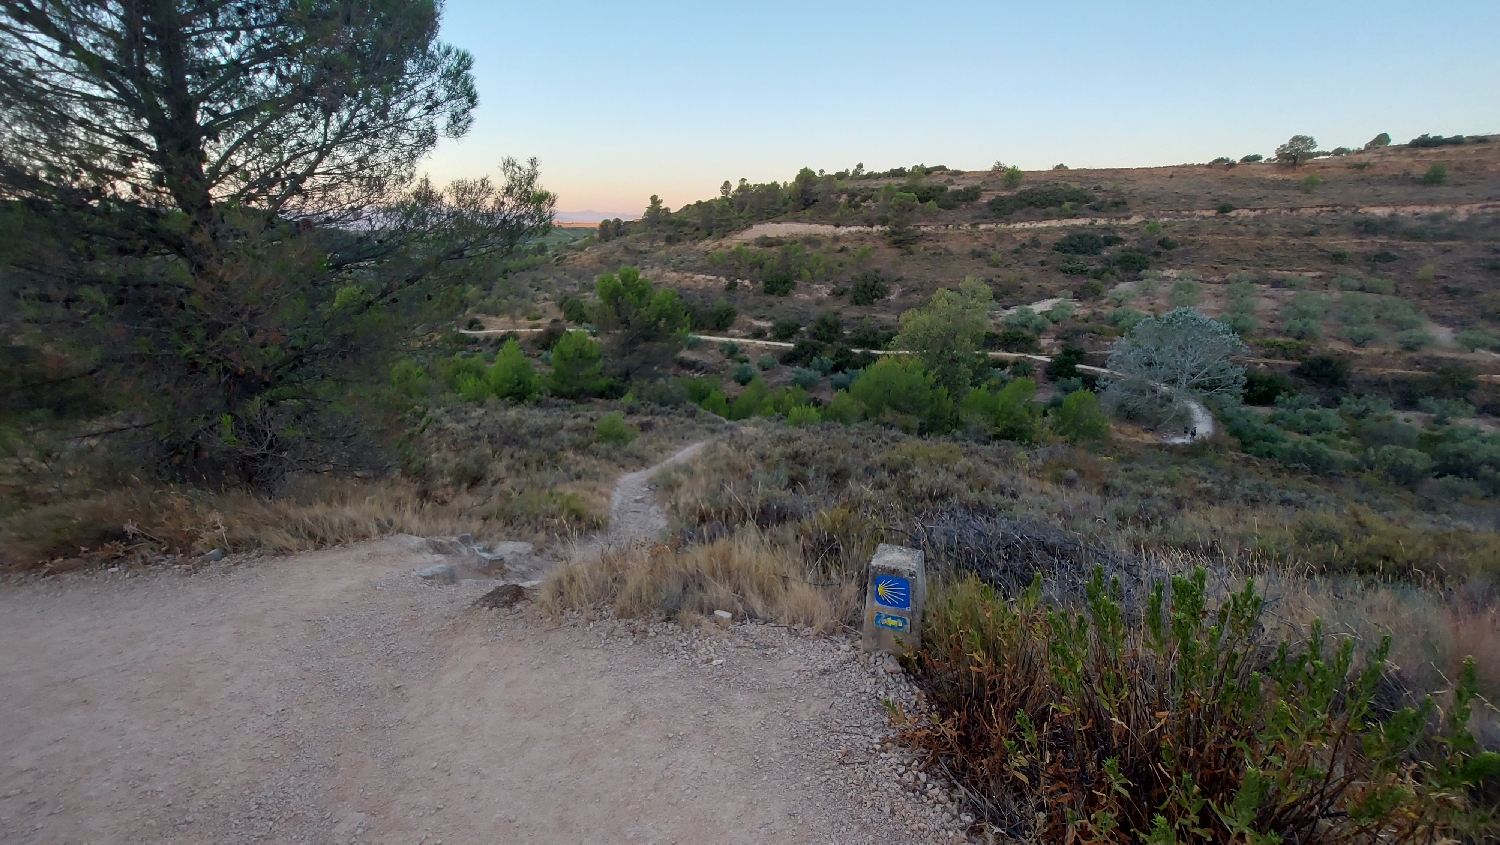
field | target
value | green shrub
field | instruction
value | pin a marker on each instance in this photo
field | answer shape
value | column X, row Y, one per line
column 1437, row 174
column 1186, row 293
column 1225, row 207
column 513, row 376
column 785, row 328
column 1472, row 339
column 868, row 288
column 1324, row 370
column 743, row 374
column 1413, row 340
column 899, row 390
column 1362, row 336
column 613, row 430
column 1040, row 197
column 1313, row 456
column 1059, row 313
column 1179, row 722
column 1009, row 413
column 1401, row 314
column 1304, row 329
column 1079, row 420
column 1080, row 243
column 805, row 378
column 1381, row 286
column 1133, row 261
column 577, row 367
column 1445, row 410
column 1124, row 319
column 803, row 415
column 1346, row 283
column 828, row 328
column 767, row 361
column 1026, row 319
column 842, row 409
column 1262, row 387
column 1311, row 182
column 1407, row 467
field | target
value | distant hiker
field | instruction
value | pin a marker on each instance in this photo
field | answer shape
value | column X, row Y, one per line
column 1194, row 435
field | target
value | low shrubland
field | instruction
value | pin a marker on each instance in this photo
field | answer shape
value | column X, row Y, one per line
column 495, row 470
column 1178, row 718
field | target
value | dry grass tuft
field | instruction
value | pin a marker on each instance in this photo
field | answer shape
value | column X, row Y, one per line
column 753, row 574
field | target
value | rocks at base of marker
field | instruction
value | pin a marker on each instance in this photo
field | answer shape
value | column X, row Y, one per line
column 214, row 556
column 441, row 573
column 724, row 618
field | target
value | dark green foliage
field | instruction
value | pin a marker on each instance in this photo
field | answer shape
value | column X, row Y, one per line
column 1225, row 207
column 1012, row 340
column 898, row 390
column 577, row 368
column 641, row 327
column 1425, row 141
column 786, row 328
column 902, row 209
column 1079, row 419
column 1251, row 159
column 574, row 310
column 716, row 318
column 1437, row 174
column 868, row 288
column 828, row 328
column 1381, row 140
column 744, row 374
column 802, row 353
column 778, row 283
column 512, row 376
column 1008, row 413
column 1297, row 149
column 1133, row 261
column 1047, row 196
column 1080, row 243
column 1065, row 363
column 1263, row 386
column 1330, row 371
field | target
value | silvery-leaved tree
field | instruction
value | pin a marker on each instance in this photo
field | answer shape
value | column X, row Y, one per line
column 1168, row 360
column 207, row 204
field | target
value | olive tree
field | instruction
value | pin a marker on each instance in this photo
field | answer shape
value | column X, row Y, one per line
column 1297, row 149
column 1167, row 360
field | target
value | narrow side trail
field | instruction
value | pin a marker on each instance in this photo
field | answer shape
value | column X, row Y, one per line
column 334, row 697
column 634, row 512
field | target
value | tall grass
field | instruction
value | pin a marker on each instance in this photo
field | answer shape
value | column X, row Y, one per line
column 753, row 574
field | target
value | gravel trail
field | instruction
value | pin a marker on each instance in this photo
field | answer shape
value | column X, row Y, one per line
column 334, row 697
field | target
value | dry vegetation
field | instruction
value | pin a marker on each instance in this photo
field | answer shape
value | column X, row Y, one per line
column 498, row 471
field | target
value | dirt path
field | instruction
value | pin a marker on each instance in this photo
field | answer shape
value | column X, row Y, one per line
column 634, row 512
column 335, row 697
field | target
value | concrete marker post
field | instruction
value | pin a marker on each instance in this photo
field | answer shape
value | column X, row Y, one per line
column 894, row 599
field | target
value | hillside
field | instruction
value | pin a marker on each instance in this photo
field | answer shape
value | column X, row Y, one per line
column 1359, row 223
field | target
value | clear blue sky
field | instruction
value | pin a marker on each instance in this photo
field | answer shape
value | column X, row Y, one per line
column 623, row 100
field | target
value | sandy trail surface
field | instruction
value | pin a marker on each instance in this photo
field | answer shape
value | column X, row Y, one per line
column 335, row 697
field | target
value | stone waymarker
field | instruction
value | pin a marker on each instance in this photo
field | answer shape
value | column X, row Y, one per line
column 893, row 602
